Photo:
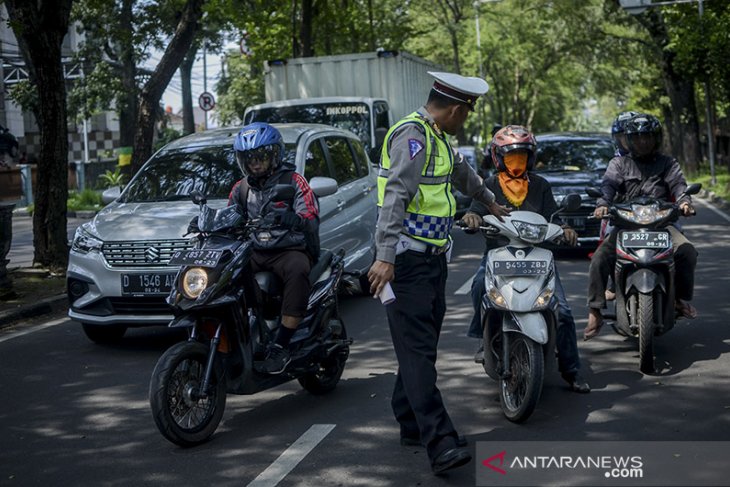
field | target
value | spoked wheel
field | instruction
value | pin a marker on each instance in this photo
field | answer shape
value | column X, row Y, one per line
column 181, row 414
column 645, row 322
column 520, row 392
column 329, row 370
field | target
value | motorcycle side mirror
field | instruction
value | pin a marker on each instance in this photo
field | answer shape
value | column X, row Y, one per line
column 198, row 198
column 283, row 192
column 571, row 202
column 594, row 192
column 693, row 188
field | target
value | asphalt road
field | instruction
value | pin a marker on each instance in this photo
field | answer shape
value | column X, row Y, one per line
column 76, row 413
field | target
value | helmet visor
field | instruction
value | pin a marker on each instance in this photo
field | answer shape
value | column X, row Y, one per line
column 642, row 144
column 258, row 162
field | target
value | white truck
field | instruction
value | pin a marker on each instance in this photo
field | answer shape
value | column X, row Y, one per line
column 364, row 93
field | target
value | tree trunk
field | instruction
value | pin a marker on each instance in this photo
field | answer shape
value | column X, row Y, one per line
column 160, row 78
column 128, row 108
column 679, row 87
column 40, row 27
column 305, row 33
column 186, row 69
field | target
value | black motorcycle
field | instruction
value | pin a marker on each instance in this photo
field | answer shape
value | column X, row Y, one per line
column 644, row 273
column 231, row 323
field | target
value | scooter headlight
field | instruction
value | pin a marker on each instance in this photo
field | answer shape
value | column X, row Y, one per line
column 496, row 297
column 194, row 282
column 530, row 232
column 543, row 299
column 644, row 214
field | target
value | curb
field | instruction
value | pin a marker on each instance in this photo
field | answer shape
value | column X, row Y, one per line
column 42, row 307
column 714, row 199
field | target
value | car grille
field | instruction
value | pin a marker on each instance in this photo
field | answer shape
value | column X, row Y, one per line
column 145, row 305
column 145, row 253
column 586, row 227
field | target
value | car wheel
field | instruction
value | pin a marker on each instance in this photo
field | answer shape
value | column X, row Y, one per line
column 104, row 334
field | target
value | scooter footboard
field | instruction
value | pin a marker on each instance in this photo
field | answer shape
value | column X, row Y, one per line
column 532, row 325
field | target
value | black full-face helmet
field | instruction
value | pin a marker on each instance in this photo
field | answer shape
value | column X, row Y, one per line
column 643, row 135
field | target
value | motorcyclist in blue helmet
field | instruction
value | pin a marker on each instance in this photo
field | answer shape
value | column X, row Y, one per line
column 618, row 129
column 282, row 249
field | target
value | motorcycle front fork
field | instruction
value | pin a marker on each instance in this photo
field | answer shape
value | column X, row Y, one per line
column 503, row 367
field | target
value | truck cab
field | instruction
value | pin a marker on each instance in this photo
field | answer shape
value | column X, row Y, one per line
column 368, row 118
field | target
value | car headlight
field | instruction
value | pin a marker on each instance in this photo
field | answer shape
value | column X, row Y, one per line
column 530, row 232
column 84, row 242
column 543, row 299
column 559, row 198
column 644, row 214
column 194, row 282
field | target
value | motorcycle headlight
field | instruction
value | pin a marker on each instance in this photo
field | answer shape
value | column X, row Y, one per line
column 496, row 297
column 194, row 282
column 543, row 299
column 530, row 232
column 84, row 242
column 644, row 214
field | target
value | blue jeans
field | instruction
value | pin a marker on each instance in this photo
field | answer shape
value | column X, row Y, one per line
column 565, row 339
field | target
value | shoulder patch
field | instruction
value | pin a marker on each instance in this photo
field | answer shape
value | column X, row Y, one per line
column 414, row 147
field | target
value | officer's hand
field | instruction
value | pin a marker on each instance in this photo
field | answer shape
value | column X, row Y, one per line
column 380, row 273
column 290, row 220
column 600, row 211
column 687, row 209
column 472, row 220
column 498, row 210
column 570, row 236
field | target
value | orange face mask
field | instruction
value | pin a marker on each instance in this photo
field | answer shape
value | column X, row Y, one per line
column 513, row 181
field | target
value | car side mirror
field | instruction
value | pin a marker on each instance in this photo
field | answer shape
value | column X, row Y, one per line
column 323, row 186
column 571, row 202
column 594, row 192
column 283, row 192
column 110, row 194
column 198, row 198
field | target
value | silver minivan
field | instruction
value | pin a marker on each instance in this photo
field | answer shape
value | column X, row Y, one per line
column 118, row 275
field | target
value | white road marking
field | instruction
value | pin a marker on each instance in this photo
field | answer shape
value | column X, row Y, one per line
column 31, row 329
column 466, row 287
column 291, row 457
column 716, row 210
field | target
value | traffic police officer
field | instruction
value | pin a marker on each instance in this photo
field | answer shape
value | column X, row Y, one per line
column 417, row 168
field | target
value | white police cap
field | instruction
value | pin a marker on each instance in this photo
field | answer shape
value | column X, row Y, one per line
column 465, row 89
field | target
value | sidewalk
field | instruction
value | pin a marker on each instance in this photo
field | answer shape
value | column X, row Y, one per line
column 37, row 293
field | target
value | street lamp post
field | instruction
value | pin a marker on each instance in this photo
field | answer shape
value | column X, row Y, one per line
column 635, row 7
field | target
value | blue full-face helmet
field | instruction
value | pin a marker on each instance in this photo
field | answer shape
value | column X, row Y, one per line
column 259, row 149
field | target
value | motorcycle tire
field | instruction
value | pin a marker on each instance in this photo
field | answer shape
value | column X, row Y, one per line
column 329, row 370
column 519, row 393
column 645, row 322
column 180, row 417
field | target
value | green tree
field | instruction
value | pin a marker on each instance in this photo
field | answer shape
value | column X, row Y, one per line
column 40, row 27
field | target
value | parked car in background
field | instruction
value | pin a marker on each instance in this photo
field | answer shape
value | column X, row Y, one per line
column 572, row 161
column 118, row 275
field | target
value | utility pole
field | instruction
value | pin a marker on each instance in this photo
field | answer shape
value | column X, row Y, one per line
column 205, row 84
column 481, row 101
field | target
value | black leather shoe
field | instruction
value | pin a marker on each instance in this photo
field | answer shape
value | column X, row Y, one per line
column 448, row 459
column 461, row 441
column 577, row 383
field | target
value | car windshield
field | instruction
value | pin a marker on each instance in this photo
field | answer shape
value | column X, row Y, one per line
column 348, row 116
column 573, row 155
column 173, row 174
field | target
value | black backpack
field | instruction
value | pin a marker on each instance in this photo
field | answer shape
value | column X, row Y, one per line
column 311, row 239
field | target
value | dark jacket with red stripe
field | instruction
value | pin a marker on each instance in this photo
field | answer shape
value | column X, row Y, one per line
column 259, row 205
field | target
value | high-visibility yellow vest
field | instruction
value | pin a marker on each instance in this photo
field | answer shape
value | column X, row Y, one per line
column 430, row 214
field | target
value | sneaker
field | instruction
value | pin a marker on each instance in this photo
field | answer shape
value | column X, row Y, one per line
column 277, row 358
column 479, row 356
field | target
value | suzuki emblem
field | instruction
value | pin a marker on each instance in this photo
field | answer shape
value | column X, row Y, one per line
column 152, row 254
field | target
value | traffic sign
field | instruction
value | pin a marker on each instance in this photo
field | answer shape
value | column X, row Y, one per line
column 206, row 101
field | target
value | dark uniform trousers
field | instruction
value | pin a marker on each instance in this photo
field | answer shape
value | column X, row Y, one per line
column 415, row 319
